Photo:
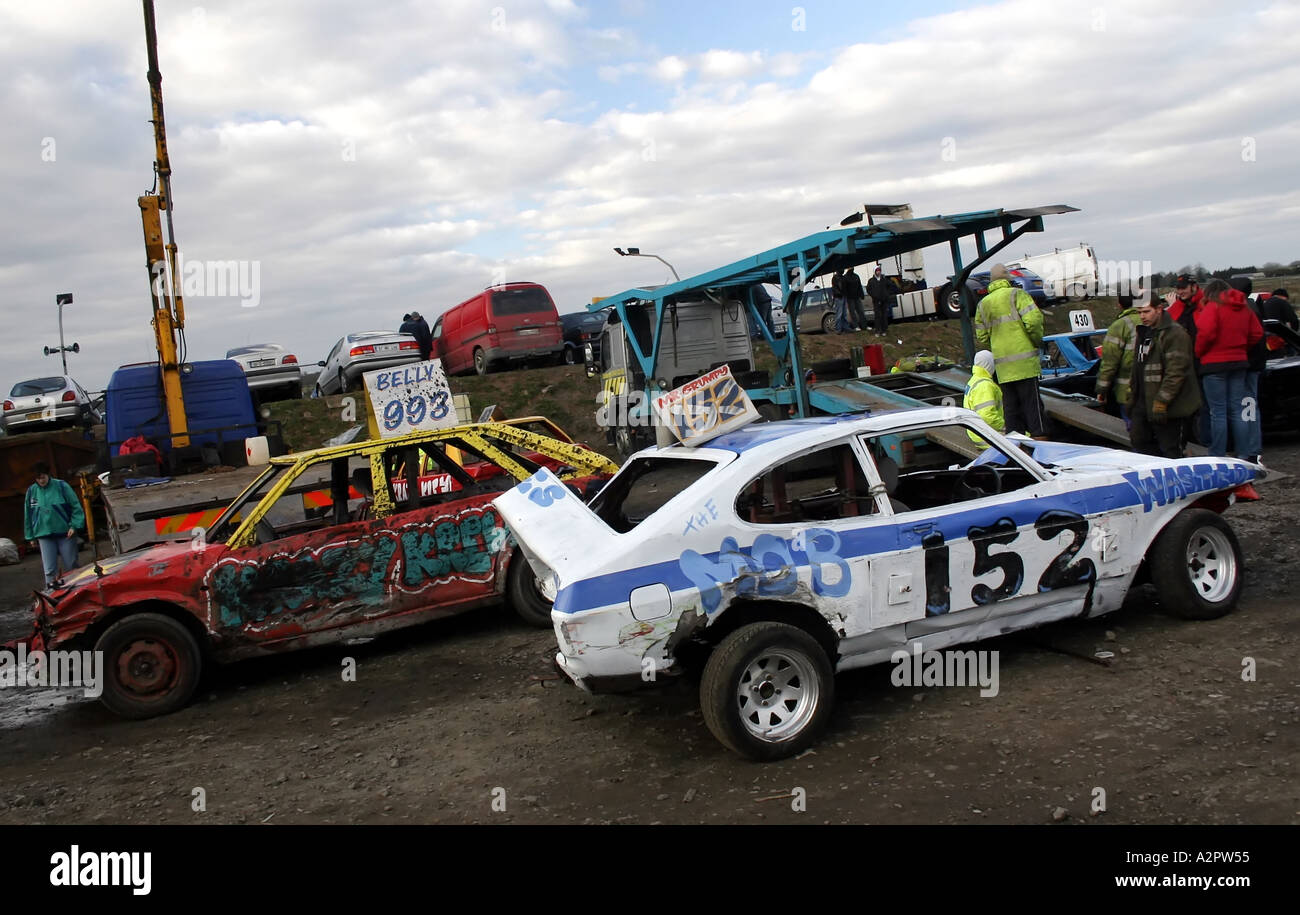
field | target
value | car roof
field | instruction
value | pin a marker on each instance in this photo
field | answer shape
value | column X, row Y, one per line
column 796, row 434
column 253, row 348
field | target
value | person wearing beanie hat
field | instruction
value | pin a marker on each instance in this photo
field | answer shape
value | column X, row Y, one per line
column 983, row 396
column 1277, row 307
column 1008, row 323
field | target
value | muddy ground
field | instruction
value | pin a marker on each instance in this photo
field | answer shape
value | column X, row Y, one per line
column 446, row 719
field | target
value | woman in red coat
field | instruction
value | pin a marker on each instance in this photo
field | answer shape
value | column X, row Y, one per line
column 1226, row 328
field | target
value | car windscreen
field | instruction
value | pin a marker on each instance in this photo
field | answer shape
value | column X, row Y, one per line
column 526, row 301
column 37, row 386
column 247, row 350
column 644, row 486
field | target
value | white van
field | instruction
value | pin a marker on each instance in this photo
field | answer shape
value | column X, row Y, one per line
column 1067, row 274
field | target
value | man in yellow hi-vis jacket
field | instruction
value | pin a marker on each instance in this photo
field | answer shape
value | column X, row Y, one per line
column 983, row 395
column 1009, row 323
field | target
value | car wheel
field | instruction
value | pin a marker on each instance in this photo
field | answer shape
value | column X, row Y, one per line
column 1196, row 565
column 949, row 303
column 767, row 690
column 570, row 355
column 828, row 322
column 480, row 361
column 317, row 392
column 151, row 665
column 1076, row 293
column 525, row 593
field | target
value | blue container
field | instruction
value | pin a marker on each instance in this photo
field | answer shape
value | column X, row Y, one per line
column 218, row 404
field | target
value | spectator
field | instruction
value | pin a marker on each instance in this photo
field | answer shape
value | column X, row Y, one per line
column 1227, row 330
column 984, row 396
column 1188, row 300
column 853, row 297
column 407, row 326
column 1117, row 358
column 1257, row 361
column 842, row 323
column 1009, row 323
column 883, row 295
column 1164, row 388
column 422, row 335
column 1277, row 307
column 51, row 517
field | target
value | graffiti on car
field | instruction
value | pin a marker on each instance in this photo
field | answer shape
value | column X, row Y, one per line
column 409, row 558
column 770, row 568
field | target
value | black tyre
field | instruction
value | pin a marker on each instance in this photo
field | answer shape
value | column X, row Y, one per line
column 1196, row 565
column 151, row 665
column 767, row 690
column 570, row 355
column 828, row 322
column 480, row 361
column 948, row 302
column 525, row 593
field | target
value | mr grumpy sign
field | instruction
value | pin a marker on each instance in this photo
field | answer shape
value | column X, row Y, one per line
column 705, row 408
column 410, row 398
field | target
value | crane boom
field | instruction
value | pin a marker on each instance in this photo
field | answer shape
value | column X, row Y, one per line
column 160, row 253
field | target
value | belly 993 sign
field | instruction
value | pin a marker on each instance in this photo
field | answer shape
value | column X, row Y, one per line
column 410, row 398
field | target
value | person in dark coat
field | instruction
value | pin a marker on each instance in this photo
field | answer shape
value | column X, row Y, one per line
column 853, row 296
column 883, row 295
column 422, row 334
column 1277, row 307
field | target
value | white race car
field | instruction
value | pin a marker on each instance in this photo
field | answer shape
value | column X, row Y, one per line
column 791, row 550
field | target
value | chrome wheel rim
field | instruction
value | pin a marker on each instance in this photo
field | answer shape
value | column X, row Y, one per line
column 1211, row 564
column 777, row 695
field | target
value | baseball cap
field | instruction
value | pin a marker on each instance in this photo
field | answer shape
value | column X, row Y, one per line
column 1184, row 280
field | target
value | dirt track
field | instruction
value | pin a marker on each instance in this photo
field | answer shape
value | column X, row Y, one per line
column 442, row 716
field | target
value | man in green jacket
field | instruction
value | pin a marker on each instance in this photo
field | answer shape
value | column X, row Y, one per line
column 1009, row 323
column 1117, row 358
column 51, row 516
column 984, row 396
column 1163, row 383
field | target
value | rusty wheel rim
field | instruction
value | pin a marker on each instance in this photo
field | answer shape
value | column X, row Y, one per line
column 148, row 667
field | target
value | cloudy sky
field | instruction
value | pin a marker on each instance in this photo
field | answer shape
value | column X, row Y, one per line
column 364, row 159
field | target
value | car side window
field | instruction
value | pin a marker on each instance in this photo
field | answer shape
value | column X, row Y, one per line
column 334, row 352
column 942, row 465
column 437, row 329
column 819, row 486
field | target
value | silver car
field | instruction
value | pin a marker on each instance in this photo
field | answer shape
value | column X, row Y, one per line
column 363, row 352
column 48, row 403
column 272, row 371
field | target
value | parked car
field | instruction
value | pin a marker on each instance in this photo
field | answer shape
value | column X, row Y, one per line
column 817, row 312
column 48, row 403
column 273, row 373
column 978, row 284
column 363, row 352
column 511, row 323
column 272, row 576
column 783, row 552
column 581, row 328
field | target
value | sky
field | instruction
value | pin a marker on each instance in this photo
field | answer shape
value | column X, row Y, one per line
column 357, row 161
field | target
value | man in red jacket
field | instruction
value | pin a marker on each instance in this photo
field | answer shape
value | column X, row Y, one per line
column 1226, row 329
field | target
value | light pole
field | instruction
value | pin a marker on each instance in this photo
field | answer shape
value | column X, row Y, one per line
column 63, row 298
column 636, row 252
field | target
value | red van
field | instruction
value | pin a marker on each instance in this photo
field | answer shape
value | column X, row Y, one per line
column 514, row 322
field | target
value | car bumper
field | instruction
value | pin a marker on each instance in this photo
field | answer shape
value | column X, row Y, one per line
column 260, row 379
column 355, row 369
column 27, row 420
column 575, row 670
column 522, row 354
